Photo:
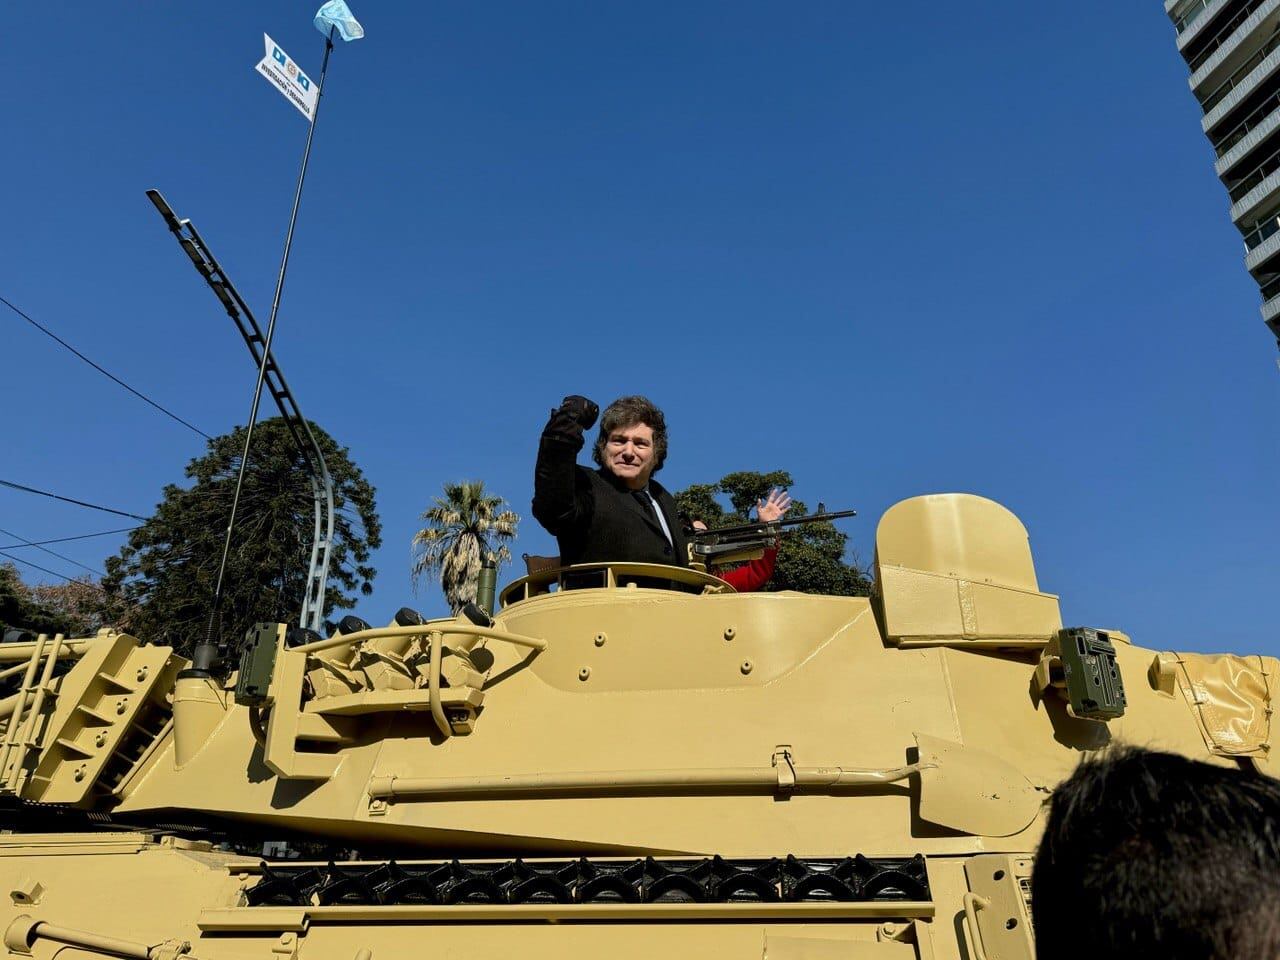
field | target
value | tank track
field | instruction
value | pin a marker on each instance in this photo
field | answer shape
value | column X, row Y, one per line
column 708, row 880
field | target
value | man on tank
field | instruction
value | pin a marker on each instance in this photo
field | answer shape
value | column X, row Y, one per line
column 616, row 512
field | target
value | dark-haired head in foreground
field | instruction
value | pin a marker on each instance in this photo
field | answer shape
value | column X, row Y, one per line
column 1153, row 855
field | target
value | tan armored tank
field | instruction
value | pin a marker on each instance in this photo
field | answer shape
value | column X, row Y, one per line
column 613, row 771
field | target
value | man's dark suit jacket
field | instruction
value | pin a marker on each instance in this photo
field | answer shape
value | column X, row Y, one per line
column 592, row 514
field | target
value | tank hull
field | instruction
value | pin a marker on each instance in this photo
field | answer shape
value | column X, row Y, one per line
column 617, row 769
column 95, row 895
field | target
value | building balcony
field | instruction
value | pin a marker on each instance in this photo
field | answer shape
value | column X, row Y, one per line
column 1193, row 19
column 1261, row 230
column 1240, row 85
column 1259, row 195
column 1238, row 142
column 1241, row 33
column 1271, row 312
column 1268, row 246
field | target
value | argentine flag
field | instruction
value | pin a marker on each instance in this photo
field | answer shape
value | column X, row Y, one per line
column 337, row 15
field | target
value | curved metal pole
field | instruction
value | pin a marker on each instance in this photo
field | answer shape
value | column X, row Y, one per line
column 312, row 610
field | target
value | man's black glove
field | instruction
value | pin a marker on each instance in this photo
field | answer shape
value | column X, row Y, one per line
column 581, row 410
column 574, row 415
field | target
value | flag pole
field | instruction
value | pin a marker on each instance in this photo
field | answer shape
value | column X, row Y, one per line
column 205, row 654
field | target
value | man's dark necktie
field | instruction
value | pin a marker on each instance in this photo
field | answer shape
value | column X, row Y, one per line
column 650, row 508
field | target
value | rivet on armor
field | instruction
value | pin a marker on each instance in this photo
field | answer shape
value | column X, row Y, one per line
column 747, row 666
column 600, row 639
column 729, row 633
column 584, row 673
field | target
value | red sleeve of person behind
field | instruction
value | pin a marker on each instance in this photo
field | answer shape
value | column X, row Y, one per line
column 752, row 575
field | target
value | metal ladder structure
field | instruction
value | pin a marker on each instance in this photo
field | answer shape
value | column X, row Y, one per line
column 19, row 737
column 193, row 245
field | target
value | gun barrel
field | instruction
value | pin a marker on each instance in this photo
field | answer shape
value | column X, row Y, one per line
column 760, row 528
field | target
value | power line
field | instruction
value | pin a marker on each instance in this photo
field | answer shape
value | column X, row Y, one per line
column 10, row 533
column 52, row 573
column 83, row 536
column 45, row 330
column 78, row 503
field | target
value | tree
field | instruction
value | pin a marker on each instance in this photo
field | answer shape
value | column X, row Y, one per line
column 811, row 558
column 14, row 603
column 73, row 608
column 161, row 583
column 464, row 526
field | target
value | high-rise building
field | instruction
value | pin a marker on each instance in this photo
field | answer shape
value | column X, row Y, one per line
column 1233, row 50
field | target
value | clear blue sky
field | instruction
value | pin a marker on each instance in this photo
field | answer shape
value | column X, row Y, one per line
column 894, row 249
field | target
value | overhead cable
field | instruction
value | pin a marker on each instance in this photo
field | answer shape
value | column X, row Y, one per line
column 83, row 536
column 141, row 396
column 10, row 533
column 52, row 573
column 78, row 503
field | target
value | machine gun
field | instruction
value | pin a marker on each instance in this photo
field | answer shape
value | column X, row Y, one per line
column 745, row 541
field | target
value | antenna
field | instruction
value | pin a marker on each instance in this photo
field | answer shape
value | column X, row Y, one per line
column 206, row 264
column 206, row 654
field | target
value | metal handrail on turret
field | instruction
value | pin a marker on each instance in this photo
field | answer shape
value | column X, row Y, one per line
column 611, row 576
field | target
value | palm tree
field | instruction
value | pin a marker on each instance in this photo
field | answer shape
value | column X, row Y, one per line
column 463, row 526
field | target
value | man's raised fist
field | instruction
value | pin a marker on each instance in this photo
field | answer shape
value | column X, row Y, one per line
column 582, row 410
